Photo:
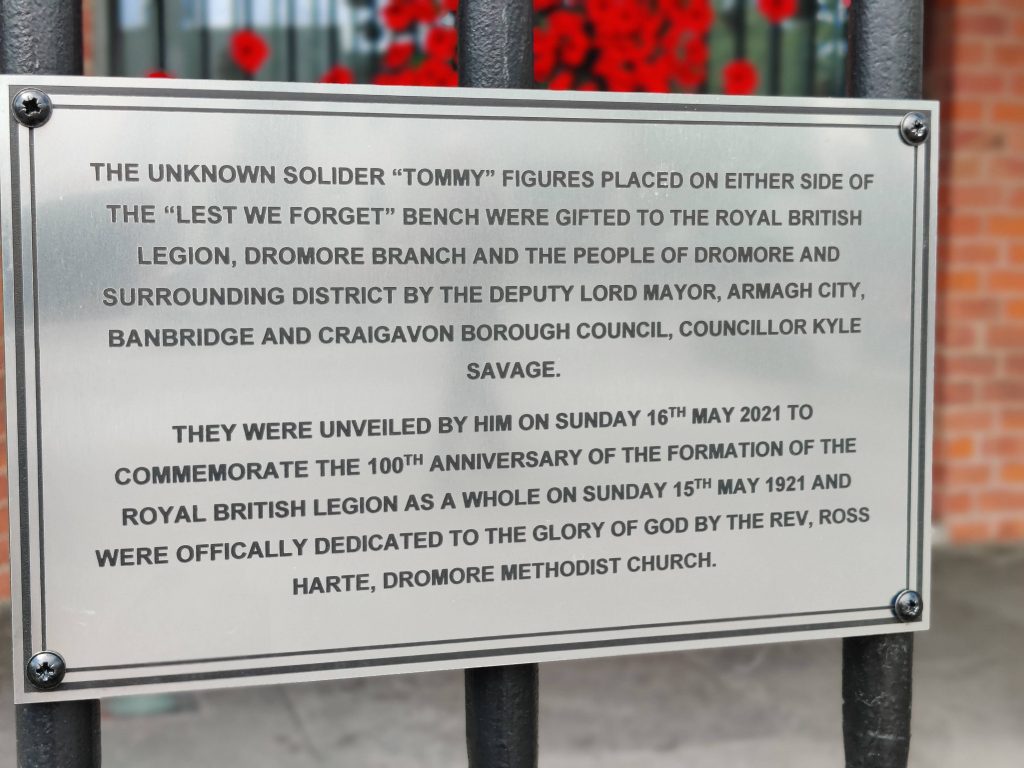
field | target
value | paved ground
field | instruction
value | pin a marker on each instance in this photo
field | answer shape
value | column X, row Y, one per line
column 771, row 706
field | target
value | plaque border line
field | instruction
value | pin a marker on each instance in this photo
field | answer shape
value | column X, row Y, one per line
column 456, row 641
column 469, row 100
column 399, row 661
column 383, row 663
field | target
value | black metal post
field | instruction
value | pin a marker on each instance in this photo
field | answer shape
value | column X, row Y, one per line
column 59, row 735
column 501, row 716
column 496, row 51
column 41, row 37
column 44, row 37
column 495, row 43
column 877, row 672
column 885, row 62
column 886, row 49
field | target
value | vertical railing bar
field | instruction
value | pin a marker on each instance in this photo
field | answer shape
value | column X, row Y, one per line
column 44, row 37
column 375, row 43
column 775, row 59
column 839, row 32
column 114, row 35
column 812, row 47
column 740, row 28
column 496, row 51
column 291, row 42
column 205, row 53
column 333, row 48
column 705, row 83
column 161, row 35
column 884, row 61
column 317, row 46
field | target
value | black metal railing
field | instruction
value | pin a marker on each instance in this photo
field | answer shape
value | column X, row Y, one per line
column 771, row 47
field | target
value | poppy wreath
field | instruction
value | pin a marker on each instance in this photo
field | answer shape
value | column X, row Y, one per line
column 423, row 45
column 621, row 45
column 614, row 45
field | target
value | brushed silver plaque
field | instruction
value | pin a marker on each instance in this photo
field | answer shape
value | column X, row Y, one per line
column 308, row 382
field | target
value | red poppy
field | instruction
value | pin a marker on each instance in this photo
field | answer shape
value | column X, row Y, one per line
column 425, row 11
column 777, row 11
column 398, row 55
column 544, row 57
column 397, row 16
column 571, row 41
column 621, row 45
column 696, row 51
column 561, row 82
column 688, row 75
column 159, row 73
column 437, row 72
column 249, row 51
column 339, row 75
column 442, row 42
column 739, row 78
column 698, row 16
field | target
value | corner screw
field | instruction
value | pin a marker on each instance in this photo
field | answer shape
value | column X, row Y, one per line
column 914, row 128
column 908, row 605
column 46, row 670
column 32, row 108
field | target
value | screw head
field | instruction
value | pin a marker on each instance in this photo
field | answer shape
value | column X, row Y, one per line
column 46, row 670
column 908, row 605
column 914, row 128
column 32, row 107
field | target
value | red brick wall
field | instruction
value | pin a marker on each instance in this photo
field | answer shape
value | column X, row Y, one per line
column 975, row 65
column 5, row 550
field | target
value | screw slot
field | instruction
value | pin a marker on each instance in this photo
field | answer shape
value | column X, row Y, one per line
column 32, row 108
column 46, row 670
column 914, row 128
column 908, row 605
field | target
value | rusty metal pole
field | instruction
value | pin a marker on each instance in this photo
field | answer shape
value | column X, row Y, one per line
column 44, row 37
column 885, row 62
column 496, row 51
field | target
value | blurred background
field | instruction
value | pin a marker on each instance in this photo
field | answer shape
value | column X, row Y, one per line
column 764, row 706
column 793, row 47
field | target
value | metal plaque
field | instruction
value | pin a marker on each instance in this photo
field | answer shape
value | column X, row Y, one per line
column 308, row 382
